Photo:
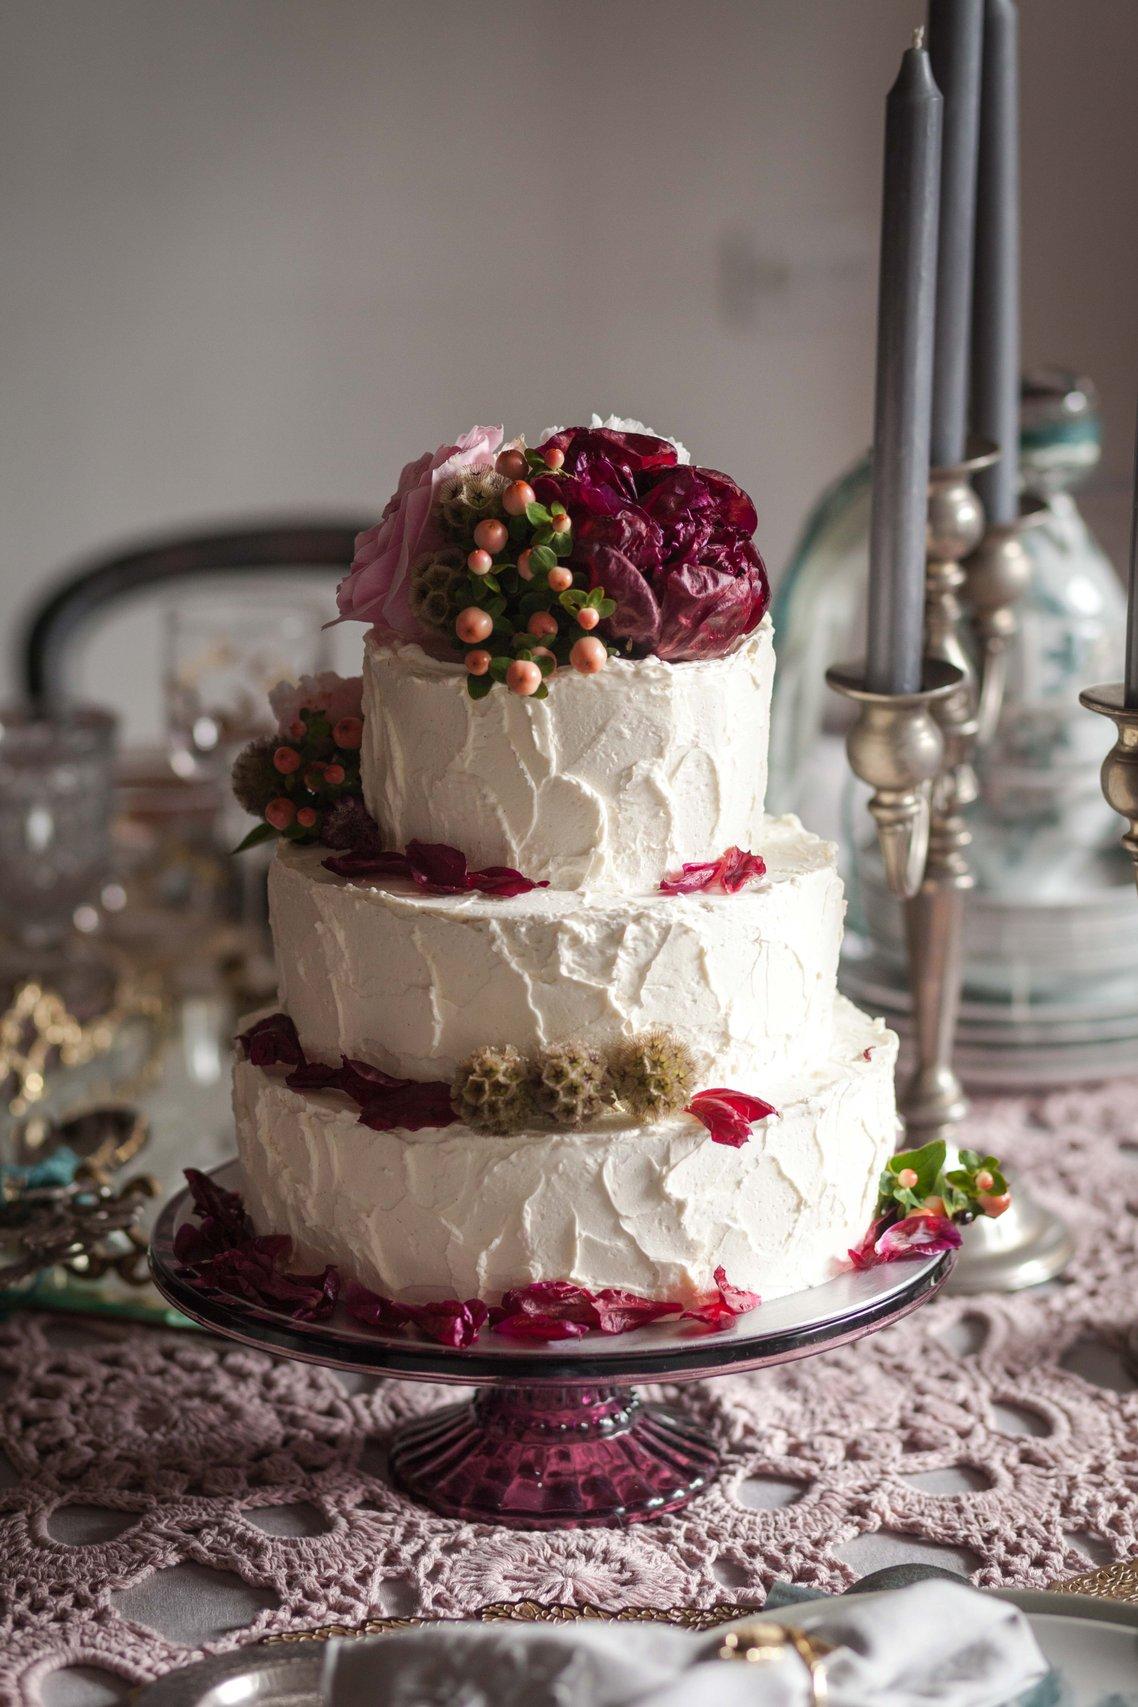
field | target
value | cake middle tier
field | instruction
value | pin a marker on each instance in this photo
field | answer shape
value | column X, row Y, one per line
column 413, row 983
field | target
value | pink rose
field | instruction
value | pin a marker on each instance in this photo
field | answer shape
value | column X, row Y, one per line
column 336, row 696
column 376, row 587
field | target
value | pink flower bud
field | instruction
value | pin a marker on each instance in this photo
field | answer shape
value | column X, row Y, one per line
column 907, row 1178
column 480, row 562
column 542, row 624
column 306, row 818
column 555, row 458
column 511, row 463
column 478, row 662
column 588, row 617
column 286, row 760
column 560, row 580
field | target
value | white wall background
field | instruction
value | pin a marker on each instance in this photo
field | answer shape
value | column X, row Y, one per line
column 258, row 252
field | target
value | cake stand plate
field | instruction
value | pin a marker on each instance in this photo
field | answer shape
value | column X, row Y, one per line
column 556, row 1437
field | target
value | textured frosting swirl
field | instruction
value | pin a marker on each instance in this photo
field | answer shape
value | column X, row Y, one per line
column 457, row 1213
column 413, row 983
column 609, row 783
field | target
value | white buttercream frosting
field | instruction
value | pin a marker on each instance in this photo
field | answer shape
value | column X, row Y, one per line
column 444, row 1213
column 413, row 983
column 610, row 782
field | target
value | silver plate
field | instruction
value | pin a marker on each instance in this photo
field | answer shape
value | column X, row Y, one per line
column 1097, row 1666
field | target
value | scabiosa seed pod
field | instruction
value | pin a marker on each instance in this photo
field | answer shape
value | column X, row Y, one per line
column 492, row 1090
column 570, row 1084
column 255, row 778
column 468, row 499
column 350, row 828
column 438, row 588
column 653, row 1074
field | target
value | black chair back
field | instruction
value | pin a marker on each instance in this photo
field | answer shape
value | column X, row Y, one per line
column 288, row 546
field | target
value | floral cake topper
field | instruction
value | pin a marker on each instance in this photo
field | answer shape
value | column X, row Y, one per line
column 601, row 540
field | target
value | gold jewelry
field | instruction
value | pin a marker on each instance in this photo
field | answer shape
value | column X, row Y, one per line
column 761, row 1643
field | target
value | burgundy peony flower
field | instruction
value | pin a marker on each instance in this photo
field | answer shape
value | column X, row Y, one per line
column 729, row 1115
column 671, row 543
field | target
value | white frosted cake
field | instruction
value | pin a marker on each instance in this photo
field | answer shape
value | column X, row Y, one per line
column 594, row 791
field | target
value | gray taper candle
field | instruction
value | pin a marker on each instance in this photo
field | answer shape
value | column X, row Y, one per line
column 1131, row 686
column 995, row 305
column 906, row 307
column 955, row 35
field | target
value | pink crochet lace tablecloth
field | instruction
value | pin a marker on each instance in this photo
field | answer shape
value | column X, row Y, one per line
column 165, row 1495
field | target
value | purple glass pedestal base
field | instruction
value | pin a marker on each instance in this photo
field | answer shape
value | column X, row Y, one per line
column 548, row 1457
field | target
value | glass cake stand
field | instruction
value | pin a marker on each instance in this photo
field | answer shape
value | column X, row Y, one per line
column 556, row 1436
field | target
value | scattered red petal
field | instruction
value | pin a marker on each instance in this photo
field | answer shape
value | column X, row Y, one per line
column 729, row 1115
column 272, row 1042
column 917, row 1235
column 450, row 1322
column 437, row 869
column 732, row 871
column 719, row 1312
column 526, row 1327
column 409, row 1107
column 867, row 1054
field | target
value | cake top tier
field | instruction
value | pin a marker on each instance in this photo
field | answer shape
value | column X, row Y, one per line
column 568, row 670
column 611, row 783
column 602, row 541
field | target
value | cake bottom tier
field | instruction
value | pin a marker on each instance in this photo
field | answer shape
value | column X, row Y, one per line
column 656, row 1209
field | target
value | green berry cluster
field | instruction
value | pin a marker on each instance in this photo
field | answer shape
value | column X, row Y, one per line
column 501, row 588
column 568, row 1084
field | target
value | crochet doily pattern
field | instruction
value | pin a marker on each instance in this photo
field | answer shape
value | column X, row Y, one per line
column 999, row 1436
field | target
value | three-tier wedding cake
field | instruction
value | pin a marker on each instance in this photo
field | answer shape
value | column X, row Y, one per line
column 558, row 1000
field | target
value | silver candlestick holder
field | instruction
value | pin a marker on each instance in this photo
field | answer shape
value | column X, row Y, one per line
column 896, row 746
column 923, row 786
column 933, row 1103
column 1120, row 767
column 1120, row 787
column 996, row 576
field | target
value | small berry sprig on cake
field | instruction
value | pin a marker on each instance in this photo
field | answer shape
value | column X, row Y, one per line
column 600, row 541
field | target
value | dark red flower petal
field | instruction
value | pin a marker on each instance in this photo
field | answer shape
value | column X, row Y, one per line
column 738, row 868
column 314, row 1076
column 706, row 607
column 728, row 1115
column 732, row 871
column 618, row 1312
column 719, row 1312
column 537, row 1327
column 503, row 881
column 917, row 1235
column 438, row 866
column 409, row 1107
column 637, row 615
column 272, row 1042
column 372, row 1309
column 449, row 1322
column 362, row 1082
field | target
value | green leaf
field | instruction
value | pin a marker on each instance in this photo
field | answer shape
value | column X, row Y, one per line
column 537, row 515
column 558, row 510
column 572, row 599
column 479, row 686
column 926, row 1163
column 562, row 543
column 498, row 668
column 258, row 834
column 542, row 558
column 547, row 665
column 540, row 693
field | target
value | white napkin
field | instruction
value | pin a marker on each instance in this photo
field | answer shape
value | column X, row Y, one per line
column 934, row 1644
